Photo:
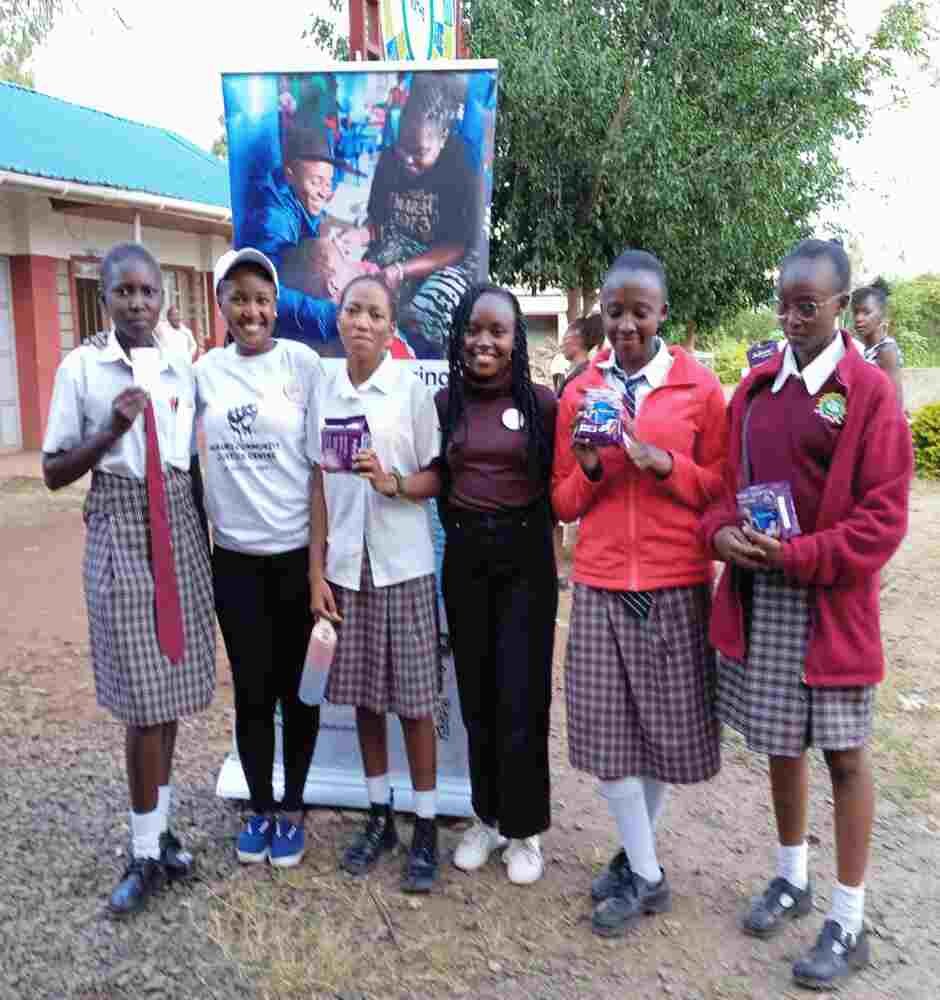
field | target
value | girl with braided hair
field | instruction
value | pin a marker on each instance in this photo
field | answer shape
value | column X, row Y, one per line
column 869, row 304
column 500, row 581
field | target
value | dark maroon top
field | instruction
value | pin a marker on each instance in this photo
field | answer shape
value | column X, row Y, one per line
column 487, row 460
column 789, row 438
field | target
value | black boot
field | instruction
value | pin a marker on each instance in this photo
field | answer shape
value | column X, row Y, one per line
column 143, row 877
column 420, row 872
column 834, row 957
column 378, row 836
column 179, row 864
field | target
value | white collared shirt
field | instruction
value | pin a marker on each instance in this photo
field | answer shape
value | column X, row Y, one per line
column 403, row 422
column 655, row 371
column 814, row 375
column 86, row 384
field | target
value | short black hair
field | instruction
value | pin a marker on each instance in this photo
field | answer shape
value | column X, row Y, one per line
column 640, row 260
column 879, row 290
column 375, row 279
column 813, row 249
column 590, row 329
column 121, row 252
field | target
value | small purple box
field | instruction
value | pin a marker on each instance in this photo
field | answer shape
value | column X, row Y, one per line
column 340, row 439
column 759, row 353
column 601, row 423
column 769, row 508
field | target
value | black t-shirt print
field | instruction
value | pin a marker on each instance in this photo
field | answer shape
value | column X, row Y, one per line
column 440, row 207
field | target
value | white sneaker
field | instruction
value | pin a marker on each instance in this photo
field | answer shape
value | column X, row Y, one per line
column 523, row 860
column 476, row 845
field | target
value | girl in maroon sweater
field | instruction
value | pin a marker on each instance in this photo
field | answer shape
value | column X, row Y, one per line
column 796, row 622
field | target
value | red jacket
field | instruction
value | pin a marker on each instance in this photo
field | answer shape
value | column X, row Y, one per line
column 861, row 522
column 639, row 532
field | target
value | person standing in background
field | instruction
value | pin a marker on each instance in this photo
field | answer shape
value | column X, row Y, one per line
column 868, row 310
column 172, row 335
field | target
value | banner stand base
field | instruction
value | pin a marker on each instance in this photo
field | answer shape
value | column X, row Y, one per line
column 336, row 787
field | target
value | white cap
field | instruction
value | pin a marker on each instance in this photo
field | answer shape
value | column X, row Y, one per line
column 246, row 255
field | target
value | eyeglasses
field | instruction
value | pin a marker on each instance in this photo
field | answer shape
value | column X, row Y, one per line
column 807, row 309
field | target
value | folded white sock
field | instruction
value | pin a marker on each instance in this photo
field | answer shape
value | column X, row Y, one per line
column 164, row 805
column 145, row 831
column 426, row 804
column 627, row 804
column 380, row 790
column 848, row 907
column 793, row 864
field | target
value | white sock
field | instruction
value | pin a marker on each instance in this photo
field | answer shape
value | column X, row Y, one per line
column 655, row 794
column 627, row 805
column 426, row 804
column 164, row 804
column 145, row 830
column 848, row 907
column 793, row 864
column 380, row 790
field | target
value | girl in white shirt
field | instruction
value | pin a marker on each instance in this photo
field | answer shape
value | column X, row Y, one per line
column 376, row 577
column 147, row 583
column 254, row 397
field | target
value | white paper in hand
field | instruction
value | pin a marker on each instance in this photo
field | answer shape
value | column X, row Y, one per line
column 146, row 364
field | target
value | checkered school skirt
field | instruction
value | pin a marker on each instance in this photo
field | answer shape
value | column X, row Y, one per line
column 133, row 679
column 639, row 692
column 386, row 656
column 765, row 699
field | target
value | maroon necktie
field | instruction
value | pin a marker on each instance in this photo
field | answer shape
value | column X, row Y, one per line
column 166, row 595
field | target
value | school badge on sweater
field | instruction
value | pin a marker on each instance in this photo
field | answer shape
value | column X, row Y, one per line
column 831, row 407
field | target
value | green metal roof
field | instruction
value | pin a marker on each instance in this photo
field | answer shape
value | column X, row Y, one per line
column 47, row 137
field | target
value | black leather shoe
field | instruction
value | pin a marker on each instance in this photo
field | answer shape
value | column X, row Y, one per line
column 834, row 957
column 616, row 915
column 143, row 877
column 781, row 902
column 179, row 863
column 609, row 881
column 420, row 872
column 378, row 836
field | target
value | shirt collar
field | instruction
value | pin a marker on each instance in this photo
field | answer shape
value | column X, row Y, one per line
column 817, row 373
column 654, row 371
column 383, row 379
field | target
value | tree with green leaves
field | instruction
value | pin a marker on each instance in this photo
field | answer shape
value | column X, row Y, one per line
column 23, row 25
column 706, row 131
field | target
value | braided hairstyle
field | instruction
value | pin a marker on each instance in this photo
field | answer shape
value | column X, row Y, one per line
column 879, row 290
column 522, row 390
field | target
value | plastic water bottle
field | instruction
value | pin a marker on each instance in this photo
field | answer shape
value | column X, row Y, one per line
column 317, row 664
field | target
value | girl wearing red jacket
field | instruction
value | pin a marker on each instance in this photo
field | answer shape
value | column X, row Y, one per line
column 639, row 673
column 796, row 622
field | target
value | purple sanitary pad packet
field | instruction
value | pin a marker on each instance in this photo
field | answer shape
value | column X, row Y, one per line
column 759, row 353
column 601, row 422
column 769, row 508
column 340, row 439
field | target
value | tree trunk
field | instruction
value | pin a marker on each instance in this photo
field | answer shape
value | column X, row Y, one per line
column 588, row 299
column 574, row 304
column 691, row 329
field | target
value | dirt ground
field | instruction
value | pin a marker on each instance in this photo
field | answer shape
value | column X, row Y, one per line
column 311, row 932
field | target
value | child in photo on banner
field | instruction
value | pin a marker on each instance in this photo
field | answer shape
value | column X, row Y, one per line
column 639, row 673
column 375, row 578
column 796, row 622
column 146, row 568
column 500, row 579
column 256, row 398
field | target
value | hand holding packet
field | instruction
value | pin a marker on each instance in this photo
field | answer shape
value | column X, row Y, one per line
column 602, row 414
column 340, row 439
column 769, row 508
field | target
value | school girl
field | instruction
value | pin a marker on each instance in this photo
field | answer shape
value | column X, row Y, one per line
column 500, row 580
column 639, row 674
column 254, row 397
column 146, row 566
column 375, row 577
column 868, row 311
column 797, row 621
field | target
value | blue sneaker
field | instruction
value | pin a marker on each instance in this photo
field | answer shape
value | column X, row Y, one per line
column 254, row 842
column 287, row 844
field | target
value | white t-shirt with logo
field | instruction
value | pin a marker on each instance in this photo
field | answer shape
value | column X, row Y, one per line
column 254, row 411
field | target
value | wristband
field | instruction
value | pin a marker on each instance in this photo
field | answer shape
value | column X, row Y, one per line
column 399, row 483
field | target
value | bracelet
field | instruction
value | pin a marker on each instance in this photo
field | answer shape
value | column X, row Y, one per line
column 399, row 483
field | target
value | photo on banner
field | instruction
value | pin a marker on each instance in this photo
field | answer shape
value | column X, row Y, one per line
column 366, row 168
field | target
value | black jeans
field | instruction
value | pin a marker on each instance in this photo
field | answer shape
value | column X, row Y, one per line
column 501, row 593
column 263, row 605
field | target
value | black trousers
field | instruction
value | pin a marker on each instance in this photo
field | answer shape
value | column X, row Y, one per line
column 501, row 593
column 263, row 606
